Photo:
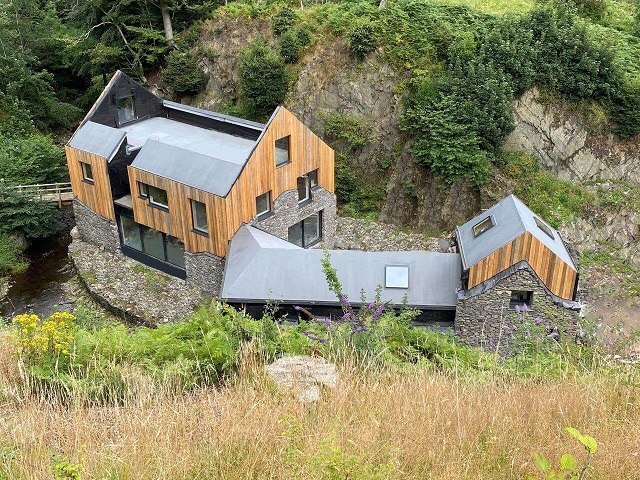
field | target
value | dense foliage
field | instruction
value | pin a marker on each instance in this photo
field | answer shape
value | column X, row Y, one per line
column 183, row 74
column 264, row 81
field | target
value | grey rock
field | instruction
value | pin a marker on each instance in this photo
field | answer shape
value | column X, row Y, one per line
column 304, row 375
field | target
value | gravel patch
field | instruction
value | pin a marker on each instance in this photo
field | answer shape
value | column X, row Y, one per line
column 130, row 289
column 359, row 234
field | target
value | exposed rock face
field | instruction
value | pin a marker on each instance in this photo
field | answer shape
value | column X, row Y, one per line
column 304, row 374
column 563, row 144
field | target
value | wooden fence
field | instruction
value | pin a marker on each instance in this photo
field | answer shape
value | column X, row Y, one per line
column 59, row 193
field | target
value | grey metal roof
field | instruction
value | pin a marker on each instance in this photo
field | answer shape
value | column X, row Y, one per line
column 97, row 139
column 188, row 167
column 262, row 267
column 212, row 143
column 512, row 218
column 209, row 114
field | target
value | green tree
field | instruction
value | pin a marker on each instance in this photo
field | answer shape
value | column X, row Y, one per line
column 264, row 81
column 27, row 216
column 183, row 74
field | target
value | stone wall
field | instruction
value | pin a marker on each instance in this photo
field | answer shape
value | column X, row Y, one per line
column 204, row 270
column 94, row 228
column 287, row 212
column 481, row 314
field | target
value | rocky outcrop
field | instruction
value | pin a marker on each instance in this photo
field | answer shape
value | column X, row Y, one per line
column 304, row 375
column 562, row 143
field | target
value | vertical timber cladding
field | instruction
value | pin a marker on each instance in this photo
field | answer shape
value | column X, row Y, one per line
column 226, row 214
column 96, row 196
column 558, row 277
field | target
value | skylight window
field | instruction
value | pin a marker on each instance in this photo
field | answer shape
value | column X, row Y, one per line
column 396, row 276
column 482, row 226
column 544, row 227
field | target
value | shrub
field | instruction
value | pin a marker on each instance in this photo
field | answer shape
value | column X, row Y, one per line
column 283, row 20
column 289, row 47
column 593, row 9
column 27, row 216
column 625, row 108
column 44, row 341
column 30, row 159
column 264, row 82
column 303, row 35
column 362, row 39
column 10, row 255
column 183, row 74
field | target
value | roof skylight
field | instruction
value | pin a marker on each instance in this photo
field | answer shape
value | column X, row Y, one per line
column 544, row 227
column 396, row 276
column 483, row 225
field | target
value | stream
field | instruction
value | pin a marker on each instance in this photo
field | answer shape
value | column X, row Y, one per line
column 40, row 287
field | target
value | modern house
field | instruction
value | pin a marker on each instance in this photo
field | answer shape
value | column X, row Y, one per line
column 169, row 185
column 238, row 209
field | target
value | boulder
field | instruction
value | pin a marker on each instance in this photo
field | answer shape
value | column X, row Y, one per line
column 303, row 374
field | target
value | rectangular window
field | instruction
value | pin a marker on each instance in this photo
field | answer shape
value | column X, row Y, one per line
column 520, row 298
column 282, row 151
column 157, row 196
column 313, row 178
column 87, row 173
column 130, row 233
column 143, row 191
column 304, row 190
column 307, row 232
column 175, row 251
column 199, row 216
column 263, row 204
column 482, row 226
column 153, row 242
column 126, row 109
column 544, row 227
column 396, row 276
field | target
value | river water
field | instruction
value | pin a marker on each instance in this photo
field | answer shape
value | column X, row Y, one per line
column 40, row 287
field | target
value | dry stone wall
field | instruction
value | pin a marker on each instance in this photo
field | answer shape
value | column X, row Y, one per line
column 94, row 228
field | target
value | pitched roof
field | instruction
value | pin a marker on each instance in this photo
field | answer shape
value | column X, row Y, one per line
column 97, row 139
column 263, row 267
column 511, row 219
column 190, row 168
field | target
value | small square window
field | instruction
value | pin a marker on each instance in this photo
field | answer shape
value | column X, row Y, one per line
column 282, row 151
column 520, row 298
column 263, row 204
column 126, row 109
column 87, row 173
column 482, row 226
column 313, row 178
column 199, row 216
column 396, row 276
column 158, row 196
column 544, row 227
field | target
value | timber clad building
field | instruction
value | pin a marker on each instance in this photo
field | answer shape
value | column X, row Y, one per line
column 234, row 206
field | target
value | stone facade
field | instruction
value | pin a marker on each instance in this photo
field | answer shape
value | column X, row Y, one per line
column 287, row 212
column 204, row 270
column 482, row 312
column 94, row 228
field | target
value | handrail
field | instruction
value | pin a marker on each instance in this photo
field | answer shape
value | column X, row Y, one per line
column 52, row 192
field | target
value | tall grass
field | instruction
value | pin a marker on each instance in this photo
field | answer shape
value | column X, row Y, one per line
column 376, row 424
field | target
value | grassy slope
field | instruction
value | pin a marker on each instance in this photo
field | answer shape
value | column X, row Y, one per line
column 373, row 426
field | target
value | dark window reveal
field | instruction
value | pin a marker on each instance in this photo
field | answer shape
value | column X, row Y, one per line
column 126, row 109
column 307, row 232
column 263, row 204
column 151, row 242
column 313, row 178
column 520, row 298
column 282, row 151
column 87, row 173
column 482, row 226
column 199, row 216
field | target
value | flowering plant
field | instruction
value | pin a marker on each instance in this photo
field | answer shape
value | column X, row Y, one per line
column 526, row 334
column 36, row 338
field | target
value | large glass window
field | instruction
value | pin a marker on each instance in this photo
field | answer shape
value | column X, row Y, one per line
column 175, row 251
column 126, row 109
column 282, row 151
column 153, row 242
column 199, row 216
column 304, row 189
column 130, row 233
column 313, row 178
column 87, row 173
column 263, row 204
column 307, row 232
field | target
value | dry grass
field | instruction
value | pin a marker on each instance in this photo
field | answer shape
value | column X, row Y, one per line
column 402, row 425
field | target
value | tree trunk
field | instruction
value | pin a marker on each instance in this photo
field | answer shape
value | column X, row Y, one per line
column 166, row 20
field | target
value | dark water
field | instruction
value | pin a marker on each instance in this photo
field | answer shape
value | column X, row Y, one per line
column 39, row 288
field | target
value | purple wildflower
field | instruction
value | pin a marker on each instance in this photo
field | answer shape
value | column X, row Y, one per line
column 297, row 307
column 518, row 308
column 527, row 333
column 506, row 328
column 538, row 321
column 552, row 335
column 379, row 310
column 524, row 307
column 311, row 336
column 371, row 305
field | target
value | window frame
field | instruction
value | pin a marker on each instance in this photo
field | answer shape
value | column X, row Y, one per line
column 313, row 179
column 475, row 227
column 194, row 223
column 307, row 186
column 302, row 230
column 544, row 227
column 286, row 138
column 396, row 287
column 144, row 192
column 118, row 108
column 264, row 213
column 87, row 178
